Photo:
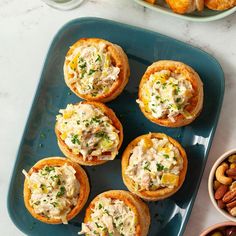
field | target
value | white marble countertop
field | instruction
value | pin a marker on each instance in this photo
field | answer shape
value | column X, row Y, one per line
column 26, row 30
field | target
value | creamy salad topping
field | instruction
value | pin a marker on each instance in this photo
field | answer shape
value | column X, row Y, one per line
column 88, row 131
column 110, row 217
column 166, row 94
column 54, row 191
column 92, row 69
column 154, row 163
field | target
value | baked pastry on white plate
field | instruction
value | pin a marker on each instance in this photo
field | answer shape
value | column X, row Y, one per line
column 170, row 94
column 116, row 212
column 185, row 6
column 55, row 190
column 220, row 5
column 96, row 70
column 154, row 166
column 89, row 133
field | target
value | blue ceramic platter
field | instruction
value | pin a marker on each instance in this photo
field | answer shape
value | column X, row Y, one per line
column 169, row 217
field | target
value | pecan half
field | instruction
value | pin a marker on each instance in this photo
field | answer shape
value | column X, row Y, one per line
column 229, row 196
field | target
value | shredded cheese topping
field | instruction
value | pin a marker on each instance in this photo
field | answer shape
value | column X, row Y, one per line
column 54, row 191
column 154, row 163
column 86, row 130
column 92, row 70
column 166, row 94
column 110, row 217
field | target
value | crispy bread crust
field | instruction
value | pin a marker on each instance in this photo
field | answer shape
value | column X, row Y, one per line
column 80, row 175
column 195, row 103
column 151, row 1
column 185, row 6
column 161, row 193
column 78, row 158
column 220, row 5
column 119, row 59
column 139, row 208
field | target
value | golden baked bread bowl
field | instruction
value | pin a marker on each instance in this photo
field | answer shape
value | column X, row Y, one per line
column 96, row 70
column 116, row 212
column 170, row 94
column 220, row 5
column 151, row 1
column 89, row 133
column 185, row 6
column 55, row 190
column 154, row 166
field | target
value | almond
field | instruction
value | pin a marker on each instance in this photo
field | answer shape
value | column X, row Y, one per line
column 221, row 204
column 220, row 192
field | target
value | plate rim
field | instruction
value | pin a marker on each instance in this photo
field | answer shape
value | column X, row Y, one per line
column 41, row 79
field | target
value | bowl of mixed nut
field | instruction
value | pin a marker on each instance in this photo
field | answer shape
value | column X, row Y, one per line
column 227, row 228
column 222, row 185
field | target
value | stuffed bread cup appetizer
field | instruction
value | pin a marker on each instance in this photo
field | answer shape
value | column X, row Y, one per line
column 220, row 5
column 116, row 212
column 96, row 70
column 89, row 133
column 55, row 190
column 170, row 94
column 154, row 166
column 185, row 6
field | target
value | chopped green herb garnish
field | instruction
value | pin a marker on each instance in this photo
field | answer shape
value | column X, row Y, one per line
column 106, row 211
column 177, row 90
column 160, row 167
column 96, row 119
column 99, row 206
column 43, row 187
column 164, row 86
column 98, row 58
column 61, row 192
column 146, row 166
column 91, row 71
column 55, row 204
column 99, row 226
column 102, row 134
column 49, row 168
column 121, row 224
column 82, row 66
column 166, row 156
column 58, row 182
column 178, row 100
column 75, row 139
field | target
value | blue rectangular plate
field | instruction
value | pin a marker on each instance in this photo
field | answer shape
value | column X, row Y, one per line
column 169, row 217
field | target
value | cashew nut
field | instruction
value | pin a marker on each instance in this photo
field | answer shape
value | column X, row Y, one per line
column 220, row 174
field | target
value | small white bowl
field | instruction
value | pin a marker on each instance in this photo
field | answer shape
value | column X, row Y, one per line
column 216, row 226
column 211, row 180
